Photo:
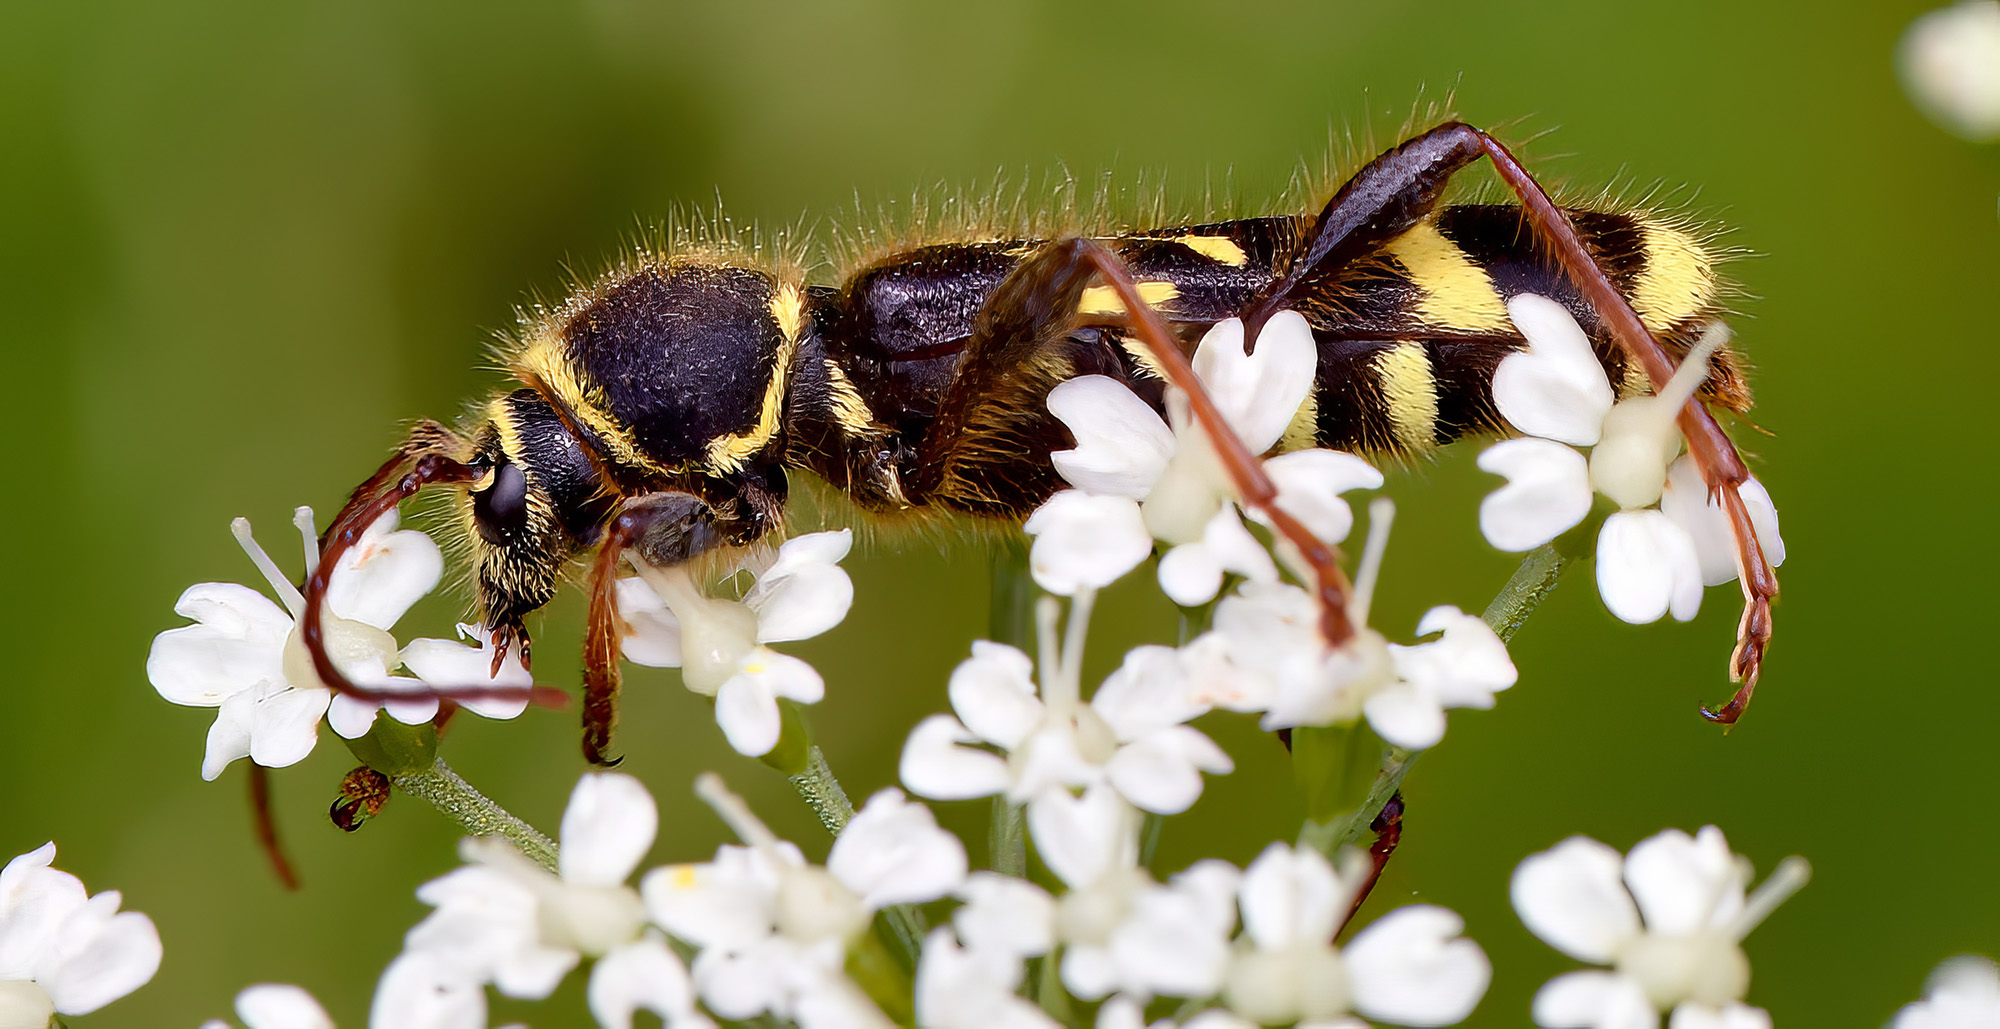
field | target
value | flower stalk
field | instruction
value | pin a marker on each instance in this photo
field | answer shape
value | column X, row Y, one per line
column 455, row 798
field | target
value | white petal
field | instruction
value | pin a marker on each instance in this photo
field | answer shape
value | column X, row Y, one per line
column 1081, row 838
column 747, row 713
column 1646, row 565
column 803, row 593
column 935, row 766
column 1291, row 897
column 738, row 985
column 1963, row 993
column 642, row 976
column 238, row 643
column 652, row 635
column 1172, row 941
column 35, row 902
column 1190, row 574
column 1005, row 915
column 993, row 693
column 1555, row 389
column 607, row 827
column 1684, row 883
column 1148, row 691
column 1412, row 967
column 420, row 990
column 1950, row 59
column 1310, row 483
column 1161, row 772
column 726, row 904
column 352, row 716
column 1465, row 668
column 1405, row 715
column 115, row 957
column 1735, row 1016
column 1547, row 492
column 23, row 1005
column 1122, row 445
column 1571, row 896
column 1686, row 501
column 1594, row 1000
column 1259, row 392
column 449, row 663
column 383, row 574
column 280, row 1006
column 1085, row 540
column 892, row 852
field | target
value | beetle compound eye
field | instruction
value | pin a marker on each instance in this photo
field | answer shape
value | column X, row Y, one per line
column 501, row 510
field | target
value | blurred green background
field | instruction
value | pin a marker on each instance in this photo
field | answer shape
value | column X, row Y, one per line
column 240, row 242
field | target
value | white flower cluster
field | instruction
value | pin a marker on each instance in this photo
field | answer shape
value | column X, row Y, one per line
column 1668, row 918
column 244, row 656
column 1138, row 479
column 1669, row 538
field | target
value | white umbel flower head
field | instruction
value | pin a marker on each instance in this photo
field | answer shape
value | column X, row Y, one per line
column 1964, row 993
column 773, row 930
column 1137, row 479
column 505, row 920
column 1272, row 659
column 1132, row 734
column 719, row 645
column 244, row 655
column 1669, row 920
column 63, row 951
column 1410, row 967
column 1950, row 59
column 1668, row 538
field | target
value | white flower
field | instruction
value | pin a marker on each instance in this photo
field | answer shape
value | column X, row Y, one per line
column 972, row 988
column 719, row 644
column 1130, row 735
column 1003, row 914
column 244, row 655
column 1964, row 993
column 427, row 990
column 1950, row 60
column 1137, row 479
column 63, row 951
column 1409, row 967
column 277, row 1006
column 505, row 920
column 1669, row 919
column 1266, row 654
column 773, row 930
column 1651, row 560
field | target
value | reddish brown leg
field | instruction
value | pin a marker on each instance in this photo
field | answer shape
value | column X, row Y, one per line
column 1245, row 471
column 1721, row 466
column 1388, row 829
column 387, row 488
column 1397, row 189
column 666, row 529
column 267, row 825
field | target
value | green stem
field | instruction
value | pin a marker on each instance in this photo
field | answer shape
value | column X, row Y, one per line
column 1525, row 590
column 457, row 800
column 822, row 792
column 1010, row 619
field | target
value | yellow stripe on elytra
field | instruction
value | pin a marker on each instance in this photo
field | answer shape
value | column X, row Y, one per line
column 1409, row 394
column 850, row 412
column 1220, row 249
column 1452, row 291
column 727, row 452
column 1678, row 281
column 1104, row 299
column 544, row 361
